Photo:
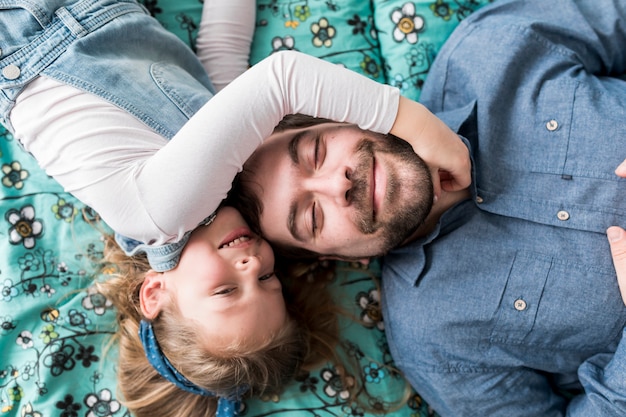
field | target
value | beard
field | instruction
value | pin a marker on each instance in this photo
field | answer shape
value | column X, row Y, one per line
column 409, row 196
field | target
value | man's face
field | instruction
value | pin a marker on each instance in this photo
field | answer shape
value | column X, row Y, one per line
column 337, row 190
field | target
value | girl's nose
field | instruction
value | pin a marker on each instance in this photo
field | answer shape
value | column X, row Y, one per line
column 248, row 262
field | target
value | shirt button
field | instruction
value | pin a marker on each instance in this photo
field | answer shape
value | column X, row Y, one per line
column 562, row 215
column 520, row 305
column 552, row 125
column 479, row 199
column 11, row 72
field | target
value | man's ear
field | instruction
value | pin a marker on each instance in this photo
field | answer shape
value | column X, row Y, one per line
column 362, row 261
column 152, row 294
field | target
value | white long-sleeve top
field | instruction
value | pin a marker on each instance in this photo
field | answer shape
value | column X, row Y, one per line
column 155, row 191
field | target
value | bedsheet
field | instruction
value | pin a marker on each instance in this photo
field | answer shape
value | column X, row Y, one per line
column 56, row 358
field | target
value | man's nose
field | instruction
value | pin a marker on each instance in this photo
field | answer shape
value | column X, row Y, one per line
column 335, row 186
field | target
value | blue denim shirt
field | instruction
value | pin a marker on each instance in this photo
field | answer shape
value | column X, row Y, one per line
column 514, row 297
column 99, row 46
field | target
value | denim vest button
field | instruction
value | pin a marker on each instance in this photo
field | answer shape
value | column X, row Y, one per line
column 552, row 125
column 520, row 305
column 479, row 199
column 562, row 215
column 11, row 72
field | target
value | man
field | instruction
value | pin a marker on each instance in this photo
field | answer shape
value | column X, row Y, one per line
column 503, row 298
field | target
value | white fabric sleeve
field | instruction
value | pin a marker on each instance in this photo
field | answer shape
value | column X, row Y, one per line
column 236, row 120
column 224, row 39
column 154, row 191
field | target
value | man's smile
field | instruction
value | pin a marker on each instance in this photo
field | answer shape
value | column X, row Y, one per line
column 378, row 186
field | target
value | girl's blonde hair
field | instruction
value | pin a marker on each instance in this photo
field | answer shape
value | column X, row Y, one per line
column 309, row 337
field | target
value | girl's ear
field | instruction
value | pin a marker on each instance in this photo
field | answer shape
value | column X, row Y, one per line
column 152, row 294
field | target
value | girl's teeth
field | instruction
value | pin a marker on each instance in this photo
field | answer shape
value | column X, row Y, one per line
column 236, row 241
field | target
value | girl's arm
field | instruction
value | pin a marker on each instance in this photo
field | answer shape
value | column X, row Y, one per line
column 199, row 164
column 224, row 39
column 446, row 155
column 211, row 148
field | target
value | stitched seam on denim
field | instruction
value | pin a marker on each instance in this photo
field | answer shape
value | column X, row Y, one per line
column 31, row 7
column 166, row 87
column 70, row 22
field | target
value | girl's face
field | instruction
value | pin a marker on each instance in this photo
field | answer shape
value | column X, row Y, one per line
column 225, row 282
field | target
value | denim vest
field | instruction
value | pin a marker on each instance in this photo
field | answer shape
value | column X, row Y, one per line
column 113, row 49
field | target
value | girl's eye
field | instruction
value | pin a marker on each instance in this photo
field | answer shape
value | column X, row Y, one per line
column 225, row 291
column 267, row 276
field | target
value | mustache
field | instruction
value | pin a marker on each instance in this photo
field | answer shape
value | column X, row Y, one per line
column 360, row 190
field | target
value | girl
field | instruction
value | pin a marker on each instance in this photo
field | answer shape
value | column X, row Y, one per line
column 216, row 327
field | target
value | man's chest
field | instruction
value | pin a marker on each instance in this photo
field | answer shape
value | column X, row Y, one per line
column 491, row 282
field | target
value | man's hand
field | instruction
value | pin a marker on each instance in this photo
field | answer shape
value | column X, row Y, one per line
column 617, row 240
column 441, row 148
column 621, row 169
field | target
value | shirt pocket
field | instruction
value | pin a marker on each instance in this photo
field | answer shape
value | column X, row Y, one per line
column 517, row 310
column 580, row 129
column 556, row 303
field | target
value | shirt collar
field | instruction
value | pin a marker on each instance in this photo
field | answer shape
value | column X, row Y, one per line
column 463, row 121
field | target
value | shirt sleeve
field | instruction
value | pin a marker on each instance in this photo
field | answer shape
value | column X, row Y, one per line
column 211, row 148
column 224, row 39
column 602, row 377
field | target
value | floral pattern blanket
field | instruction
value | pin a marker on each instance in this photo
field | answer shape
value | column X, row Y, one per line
column 56, row 358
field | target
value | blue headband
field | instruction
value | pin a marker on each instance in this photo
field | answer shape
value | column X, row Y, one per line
column 226, row 407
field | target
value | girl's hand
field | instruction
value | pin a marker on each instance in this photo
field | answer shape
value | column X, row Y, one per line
column 440, row 147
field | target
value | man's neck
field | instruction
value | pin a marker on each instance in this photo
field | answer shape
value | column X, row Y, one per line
column 445, row 201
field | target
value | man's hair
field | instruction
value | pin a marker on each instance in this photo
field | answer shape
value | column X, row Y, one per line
column 308, row 338
column 248, row 202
